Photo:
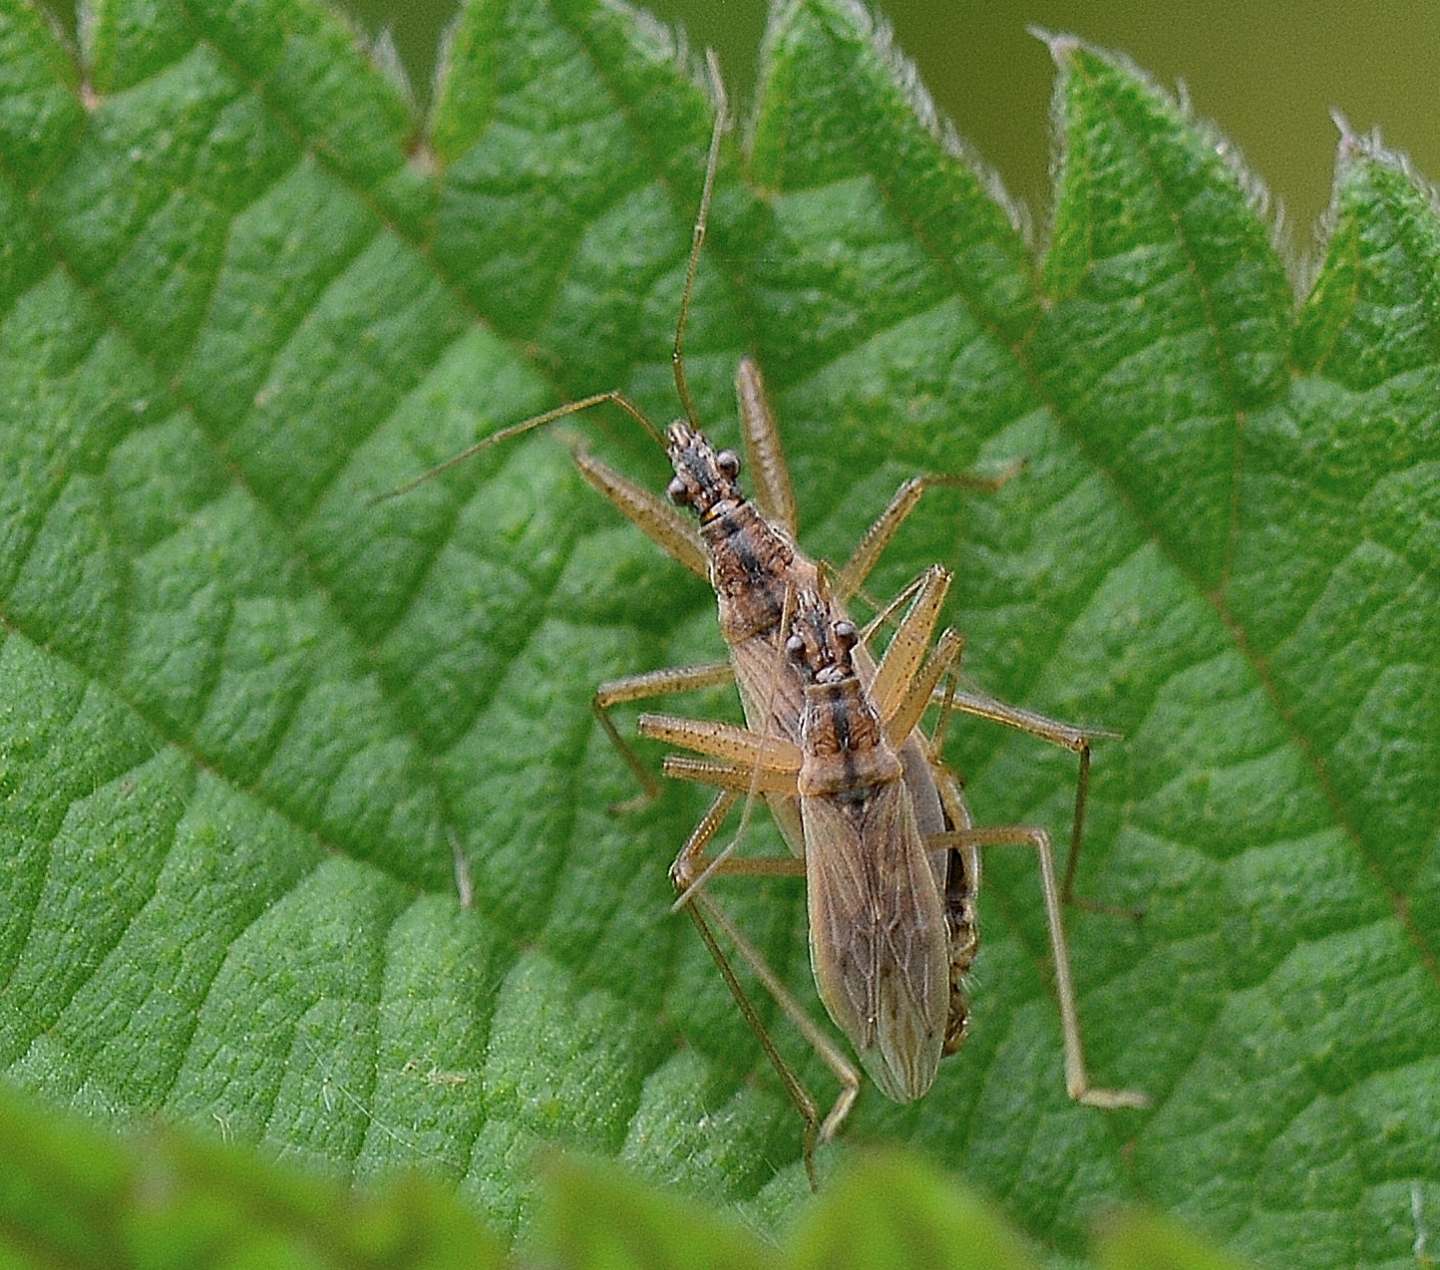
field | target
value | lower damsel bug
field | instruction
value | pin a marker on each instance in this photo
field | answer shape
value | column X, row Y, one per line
column 891, row 908
column 748, row 554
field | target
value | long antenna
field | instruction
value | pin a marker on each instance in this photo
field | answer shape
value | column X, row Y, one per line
column 697, row 239
column 525, row 425
column 615, row 397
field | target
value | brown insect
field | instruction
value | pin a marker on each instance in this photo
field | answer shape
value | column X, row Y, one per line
column 747, row 552
column 891, row 907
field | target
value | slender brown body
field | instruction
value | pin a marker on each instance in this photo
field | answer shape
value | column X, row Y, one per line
column 881, row 830
column 753, row 564
column 879, row 941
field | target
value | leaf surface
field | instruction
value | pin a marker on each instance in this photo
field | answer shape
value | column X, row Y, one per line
column 248, row 721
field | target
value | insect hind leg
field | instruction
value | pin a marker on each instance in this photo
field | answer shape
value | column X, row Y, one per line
column 708, row 917
column 1077, row 1080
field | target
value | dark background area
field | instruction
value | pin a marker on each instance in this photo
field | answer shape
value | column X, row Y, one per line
column 1268, row 74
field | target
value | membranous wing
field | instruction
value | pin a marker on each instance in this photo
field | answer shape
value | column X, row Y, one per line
column 878, row 941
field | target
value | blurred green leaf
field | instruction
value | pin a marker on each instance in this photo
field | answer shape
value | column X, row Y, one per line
column 247, row 721
column 73, row 1197
column 155, row 1198
column 598, row 1218
column 891, row 1211
column 1138, row 1242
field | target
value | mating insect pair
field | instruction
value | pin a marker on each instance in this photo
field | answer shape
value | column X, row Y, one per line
column 873, row 818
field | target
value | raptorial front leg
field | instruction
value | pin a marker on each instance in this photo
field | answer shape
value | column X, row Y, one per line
column 724, row 741
column 905, row 712
column 907, row 648
column 707, row 914
column 732, row 776
column 875, row 539
column 644, row 687
column 654, row 517
column 1077, row 1079
column 770, row 473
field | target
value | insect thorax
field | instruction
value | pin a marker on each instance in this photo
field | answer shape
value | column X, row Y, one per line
column 845, row 749
column 750, row 569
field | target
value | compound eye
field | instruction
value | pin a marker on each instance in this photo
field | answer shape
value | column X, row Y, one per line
column 846, row 635
column 795, row 646
column 679, row 492
column 729, row 463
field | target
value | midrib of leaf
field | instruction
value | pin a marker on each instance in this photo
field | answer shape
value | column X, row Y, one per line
column 1153, row 530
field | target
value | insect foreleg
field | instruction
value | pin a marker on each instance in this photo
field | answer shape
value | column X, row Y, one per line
column 653, row 683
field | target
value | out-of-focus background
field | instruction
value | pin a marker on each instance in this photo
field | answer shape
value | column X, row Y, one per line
column 1268, row 72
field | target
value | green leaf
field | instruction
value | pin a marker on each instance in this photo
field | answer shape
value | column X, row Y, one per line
column 1136, row 1242
column 892, row 1211
column 70, row 1196
column 247, row 720
column 160, row 1198
column 597, row 1217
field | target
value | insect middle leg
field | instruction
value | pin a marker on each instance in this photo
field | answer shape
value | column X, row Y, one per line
column 902, row 688
column 708, row 916
column 907, row 692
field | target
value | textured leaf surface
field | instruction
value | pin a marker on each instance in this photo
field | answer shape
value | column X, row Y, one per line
column 246, row 720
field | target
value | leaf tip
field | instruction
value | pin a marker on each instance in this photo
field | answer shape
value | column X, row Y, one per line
column 1062, row 46
column 1353, row 144
column 1357, row 147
